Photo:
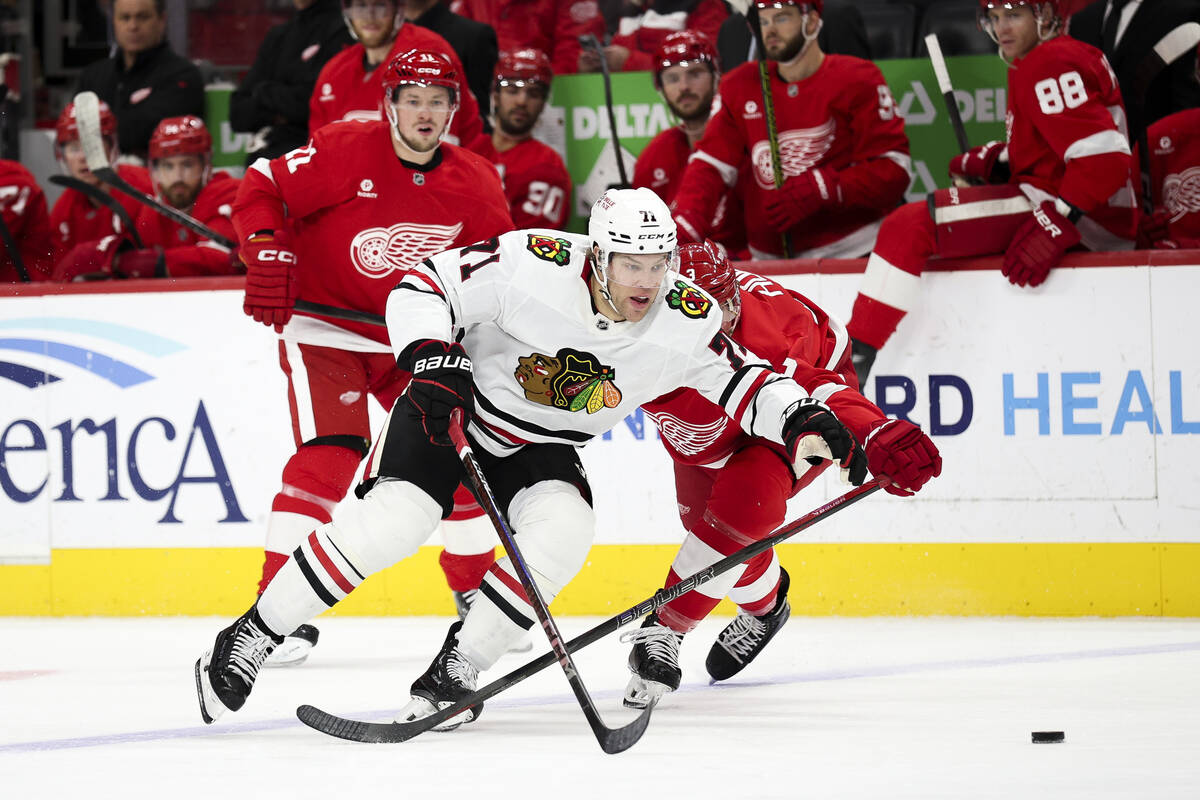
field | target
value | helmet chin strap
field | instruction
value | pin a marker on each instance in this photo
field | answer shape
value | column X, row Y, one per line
column 808, row 42
column 602, row 283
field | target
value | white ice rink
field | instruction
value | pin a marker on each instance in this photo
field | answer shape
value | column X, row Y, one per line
column 834, row 708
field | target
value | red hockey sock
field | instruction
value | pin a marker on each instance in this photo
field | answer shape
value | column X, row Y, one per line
column 271, row 564
column 464, row 573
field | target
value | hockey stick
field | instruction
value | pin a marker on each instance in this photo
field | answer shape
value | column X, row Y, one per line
column 11, row 245
column 103, row 198
column 612, row 740
column 589, row 41
column 947, row 89
column 393, row 732
column 764, row 82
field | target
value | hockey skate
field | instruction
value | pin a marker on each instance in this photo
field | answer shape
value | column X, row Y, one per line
column 862, row 356
column 654, row 662
column 449, row 678
column 295, row 648
column 225, row 674
column 745, row 637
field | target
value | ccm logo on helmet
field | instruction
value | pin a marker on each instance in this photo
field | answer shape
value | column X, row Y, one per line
column 445, row 362
column 282, row 256
column 652, row 236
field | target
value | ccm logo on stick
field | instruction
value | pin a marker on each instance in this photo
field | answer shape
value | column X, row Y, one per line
column 446, row 362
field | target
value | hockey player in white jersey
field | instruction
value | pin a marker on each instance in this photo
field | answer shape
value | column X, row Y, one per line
column 544, row 340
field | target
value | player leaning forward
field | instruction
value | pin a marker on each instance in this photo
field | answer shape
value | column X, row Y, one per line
column 545, row 340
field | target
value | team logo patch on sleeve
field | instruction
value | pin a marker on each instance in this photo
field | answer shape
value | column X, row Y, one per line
column 570, row 380
column 547, row 248
column 690, row 300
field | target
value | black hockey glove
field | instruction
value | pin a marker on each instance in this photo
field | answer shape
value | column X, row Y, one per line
column 811, row 417
column 441, row 382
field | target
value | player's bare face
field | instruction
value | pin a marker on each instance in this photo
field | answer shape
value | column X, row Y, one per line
column 518, row 106
column 421, row 115
column 373, row 21
column 1015, row 29
column 783, row 32
column 76, row 162
column 179, row 179
column 634, row 282
column 137, row 25
column 688, row 90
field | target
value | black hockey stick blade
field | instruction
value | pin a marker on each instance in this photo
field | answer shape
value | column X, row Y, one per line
column 103, row 198
column 396, row 732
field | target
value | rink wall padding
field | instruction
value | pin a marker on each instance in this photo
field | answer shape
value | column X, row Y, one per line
column 143, row 427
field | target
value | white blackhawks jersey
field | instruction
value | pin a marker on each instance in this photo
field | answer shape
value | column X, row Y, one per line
column 548, row 368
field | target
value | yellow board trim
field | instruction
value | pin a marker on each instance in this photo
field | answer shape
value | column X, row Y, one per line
column 1085, row 579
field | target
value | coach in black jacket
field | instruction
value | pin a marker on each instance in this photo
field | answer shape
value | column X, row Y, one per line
column 474, row 42
column 272, row 100
column 144, row 81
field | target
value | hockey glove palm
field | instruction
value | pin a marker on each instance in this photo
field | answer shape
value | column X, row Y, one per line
column 987, row 163
column 812, row 432
column 1038, row 245
column 800, row 197
column 270, row 278
column 441, row 382
column 902, row 453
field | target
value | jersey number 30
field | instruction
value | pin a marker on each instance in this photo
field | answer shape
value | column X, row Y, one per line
column 1065, row 91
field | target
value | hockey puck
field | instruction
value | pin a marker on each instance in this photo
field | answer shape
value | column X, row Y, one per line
column 1044, row 737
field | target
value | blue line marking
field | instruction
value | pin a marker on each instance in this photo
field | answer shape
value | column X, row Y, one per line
column 28, row 377
column 133, row 338
column 106, row 367
column 883, row 671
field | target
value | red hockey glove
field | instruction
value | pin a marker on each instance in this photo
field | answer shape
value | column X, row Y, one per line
column 441, row 382
column 689, row 228
column 89, row 261
column 1038, row 245
column 270, row 278
column 147, row 263
column 800, row 197
column 812, row 418
column 902, row 453
column 1152, row 228
column 984, row 164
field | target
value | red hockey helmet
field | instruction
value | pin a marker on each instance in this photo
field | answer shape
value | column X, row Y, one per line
column 682, row 48
column 528, row 65
column 178, row 136
column 67, row 130
column 710, row 269
column 1051, row 14
column 813, row 5
column 420, row 68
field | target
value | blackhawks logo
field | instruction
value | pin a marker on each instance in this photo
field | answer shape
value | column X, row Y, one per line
column 570, row 380
column 690, row 300
column 547, row 248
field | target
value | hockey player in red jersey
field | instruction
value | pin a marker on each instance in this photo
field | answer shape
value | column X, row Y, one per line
column 26, row 222
column 535, row 178
column 76, row 218
column 336, row 222
column 686, row 73
column 552, row 26
column 842, row 147
column 350, row 85
column 1174, row 143
column 732, row 488
column 1064, row 175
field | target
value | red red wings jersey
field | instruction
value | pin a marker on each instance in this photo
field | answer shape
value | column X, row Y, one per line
column 345, row 90
column 535, row 181
column 360, row 216
column 1067, row 138
column 660, row 168
column 75, row 220
column 23, row 205
column 1175, row 173
column 799, row 340
column 188, row 253
column 841, row 117
column 552, row 26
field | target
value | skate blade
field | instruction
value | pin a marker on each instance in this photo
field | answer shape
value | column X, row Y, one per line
column 211, row 706
column 292, row 653
column 641, row 693
column 419, row 707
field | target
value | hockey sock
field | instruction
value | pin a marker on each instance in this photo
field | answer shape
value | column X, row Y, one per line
column 272, row 563
column 757, row 589
column 684, row 613
column 470, row 542
column 891, row 285
column 463, row 573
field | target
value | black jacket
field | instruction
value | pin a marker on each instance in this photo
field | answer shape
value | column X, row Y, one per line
column 1175, row 88
column 475, row 44
column 160, row 84
column 274, row 94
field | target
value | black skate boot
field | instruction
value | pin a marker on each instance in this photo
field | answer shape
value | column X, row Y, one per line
column 225, row 674
column 449, row 678
column 862, row 356
column 463, row 600
column 295, row 648
column 654, row 662
column 745, row 637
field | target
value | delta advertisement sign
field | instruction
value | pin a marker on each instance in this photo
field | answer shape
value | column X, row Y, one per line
column 1066, row 413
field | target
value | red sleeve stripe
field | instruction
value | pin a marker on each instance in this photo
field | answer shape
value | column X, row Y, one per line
column 750, row 394
column 509, row 582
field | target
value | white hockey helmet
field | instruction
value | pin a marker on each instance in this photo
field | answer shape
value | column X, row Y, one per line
column 634, row 221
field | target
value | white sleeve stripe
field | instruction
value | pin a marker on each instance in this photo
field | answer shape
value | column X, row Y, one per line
column 728, row 174
column 209, row 243
column 841, row 339
column 675, row 21
column 904, row 160
column 827, row 390
column 1098, row 144
column 262, row 166
column 981, row 209
column 887, row 283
